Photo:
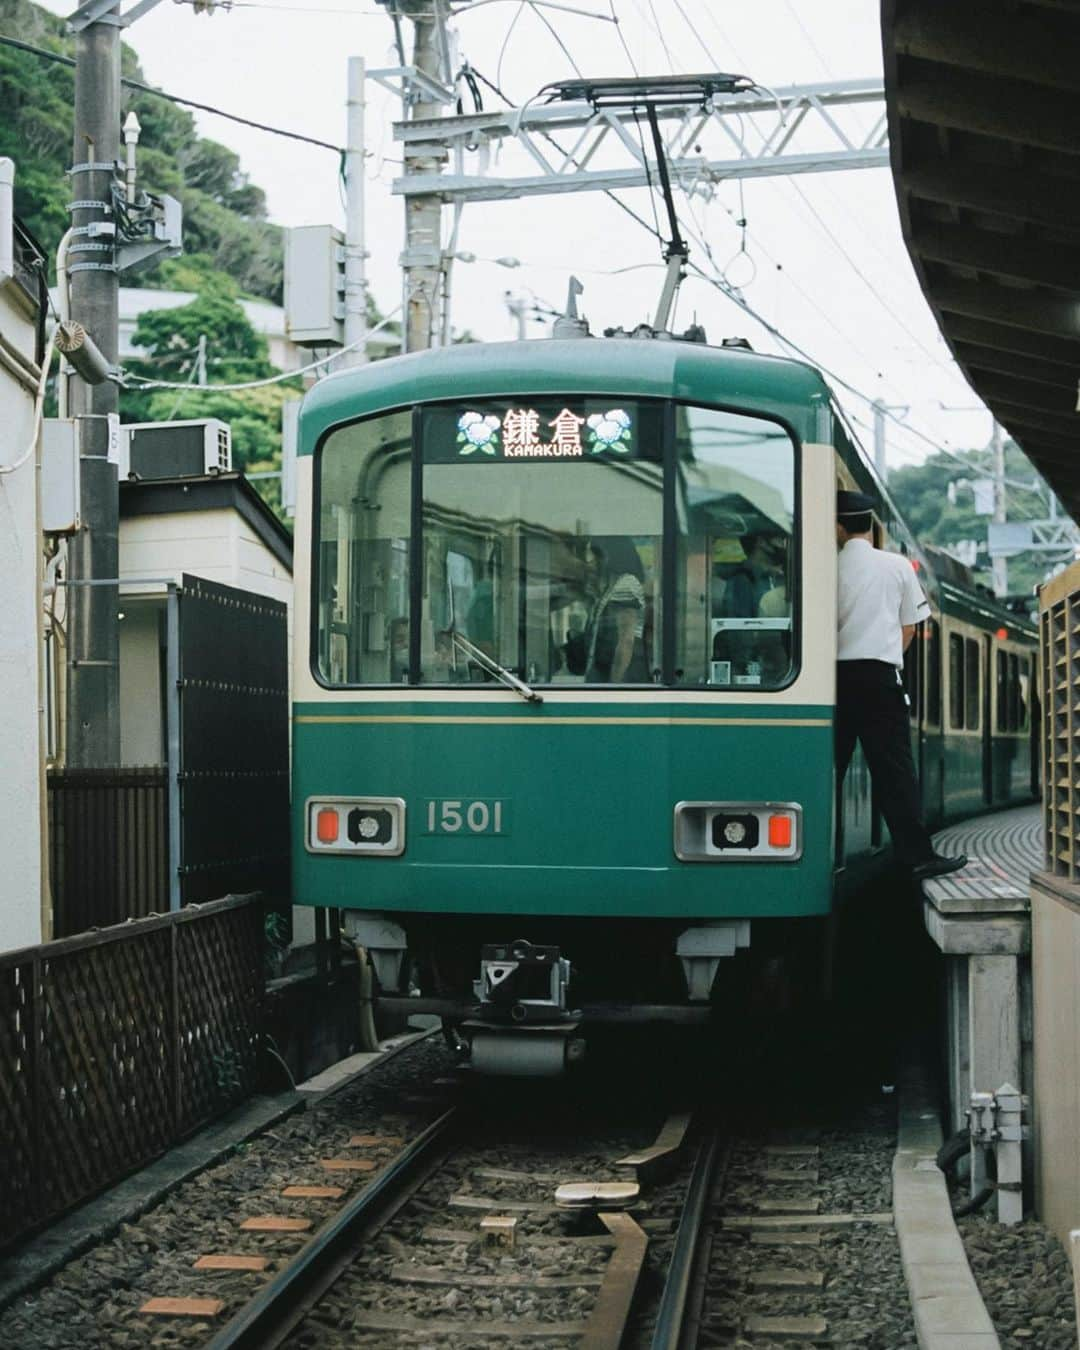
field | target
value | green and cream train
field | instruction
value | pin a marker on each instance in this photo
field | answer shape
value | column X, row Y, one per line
column 564, row 681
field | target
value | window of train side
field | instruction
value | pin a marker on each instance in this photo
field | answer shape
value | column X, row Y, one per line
column 971, row 684
column 932, row 637
column 1001, row 693
column 956, row 681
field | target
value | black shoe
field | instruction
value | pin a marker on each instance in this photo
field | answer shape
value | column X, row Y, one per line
column 937, row 865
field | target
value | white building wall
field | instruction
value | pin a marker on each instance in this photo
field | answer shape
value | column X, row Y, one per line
column 142, row 730
column 21, row 763
column 216, row 544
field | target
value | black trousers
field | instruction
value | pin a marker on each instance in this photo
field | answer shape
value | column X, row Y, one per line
column 871, row 708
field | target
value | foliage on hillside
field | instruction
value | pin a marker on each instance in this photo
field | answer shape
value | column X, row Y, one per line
column 224, row 215
column 235, row 354
column 922, row 492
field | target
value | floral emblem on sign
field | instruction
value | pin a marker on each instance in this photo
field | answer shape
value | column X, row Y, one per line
column 476, row 432
column 609, row 431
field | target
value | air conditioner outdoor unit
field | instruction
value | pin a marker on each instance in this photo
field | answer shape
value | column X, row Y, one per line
column 150, row 450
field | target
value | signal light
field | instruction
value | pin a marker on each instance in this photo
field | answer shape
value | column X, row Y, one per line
column 1002, row 634
column 779, row 831
column 327, row 826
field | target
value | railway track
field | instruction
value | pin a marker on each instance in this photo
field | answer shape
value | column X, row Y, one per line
column 756, row 1255
column 513, row 1242
column 710, row 1237
column 458, row 1216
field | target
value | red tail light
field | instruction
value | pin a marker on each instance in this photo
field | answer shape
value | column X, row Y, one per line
column 327, row 826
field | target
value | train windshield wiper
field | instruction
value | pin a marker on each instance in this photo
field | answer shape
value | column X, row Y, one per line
column 492, row 666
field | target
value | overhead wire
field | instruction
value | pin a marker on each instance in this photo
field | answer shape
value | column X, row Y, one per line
column 555, row 34
column 661, row 35
column 129, row 380
column 59, row 59
column 622, row 38
column 933, row 357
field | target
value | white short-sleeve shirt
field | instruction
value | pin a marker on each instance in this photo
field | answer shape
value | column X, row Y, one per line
column 877, row 594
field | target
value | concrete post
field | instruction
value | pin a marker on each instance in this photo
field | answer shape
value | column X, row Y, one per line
column 93, row 723
column 1008, row 1152
column 422, row 259
column 355, row 251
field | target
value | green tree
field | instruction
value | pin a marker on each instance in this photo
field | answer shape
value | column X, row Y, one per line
column 224, row 213
column 937, row 500
column 235, row 354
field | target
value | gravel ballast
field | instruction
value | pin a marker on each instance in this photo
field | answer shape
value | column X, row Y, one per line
column 1025, row 1279
column 95, row 1300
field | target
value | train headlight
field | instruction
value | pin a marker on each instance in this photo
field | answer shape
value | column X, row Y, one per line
column 738, row 831
column 368, row 826
column 729, row 831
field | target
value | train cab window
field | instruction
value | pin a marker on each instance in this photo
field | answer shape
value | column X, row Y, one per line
column 362, row 557
column 542, row 522
column 971, row 684
column 956, row 682
column 735, row 577
column 931, row 635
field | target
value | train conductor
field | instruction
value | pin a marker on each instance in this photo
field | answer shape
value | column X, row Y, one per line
column 879, row 606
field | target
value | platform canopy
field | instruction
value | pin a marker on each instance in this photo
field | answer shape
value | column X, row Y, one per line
column 984, row 130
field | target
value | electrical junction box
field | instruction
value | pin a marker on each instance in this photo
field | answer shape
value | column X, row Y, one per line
column 150, row 450
column 60, row 490
column 315, row 286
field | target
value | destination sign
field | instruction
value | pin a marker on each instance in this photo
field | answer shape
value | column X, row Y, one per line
column 581, row 430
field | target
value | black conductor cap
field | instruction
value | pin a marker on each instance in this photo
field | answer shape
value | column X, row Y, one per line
column 853, row 504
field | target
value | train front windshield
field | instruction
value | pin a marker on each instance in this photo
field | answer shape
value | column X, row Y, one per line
column 572, row 541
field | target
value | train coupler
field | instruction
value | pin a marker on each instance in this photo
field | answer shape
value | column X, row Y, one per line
column 521, row 983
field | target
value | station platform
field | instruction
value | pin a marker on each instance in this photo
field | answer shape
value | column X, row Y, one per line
column 980, row 919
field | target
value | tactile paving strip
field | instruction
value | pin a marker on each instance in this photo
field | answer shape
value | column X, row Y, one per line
column 1003, row 850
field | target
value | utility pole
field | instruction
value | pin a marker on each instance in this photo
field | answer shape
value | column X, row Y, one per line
column 518, row 307
column 881, row 410
column 200, row 361
column 422, row 260
column 355, row 253
column 1000, row 565
column 879, row 440
column 93, row 683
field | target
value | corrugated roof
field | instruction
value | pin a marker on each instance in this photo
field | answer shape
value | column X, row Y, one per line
column 984, row 130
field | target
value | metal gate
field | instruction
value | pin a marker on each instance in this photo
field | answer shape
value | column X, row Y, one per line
column 230, row 825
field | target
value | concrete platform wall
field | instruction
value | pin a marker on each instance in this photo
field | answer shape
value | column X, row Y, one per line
column 1055, row 942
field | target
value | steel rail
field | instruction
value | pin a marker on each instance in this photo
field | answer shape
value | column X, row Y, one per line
column 686, row 1270
column 282, row 1303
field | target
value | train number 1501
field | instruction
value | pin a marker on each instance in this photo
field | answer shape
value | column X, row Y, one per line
column 450, row 815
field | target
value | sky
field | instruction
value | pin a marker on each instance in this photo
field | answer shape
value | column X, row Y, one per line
column 821, row 255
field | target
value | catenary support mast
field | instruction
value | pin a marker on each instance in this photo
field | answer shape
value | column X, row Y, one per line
column 355, row 252
column 93, row 692
column 422, row 260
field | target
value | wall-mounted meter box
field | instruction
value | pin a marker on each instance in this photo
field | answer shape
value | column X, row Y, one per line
column 60, row 494
column 150, row 450
column 315, row 286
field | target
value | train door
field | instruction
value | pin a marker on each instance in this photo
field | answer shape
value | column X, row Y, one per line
column 987, row 723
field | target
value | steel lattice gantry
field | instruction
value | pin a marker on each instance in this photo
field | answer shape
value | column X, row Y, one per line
column 984, row 133
column 574, row 147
